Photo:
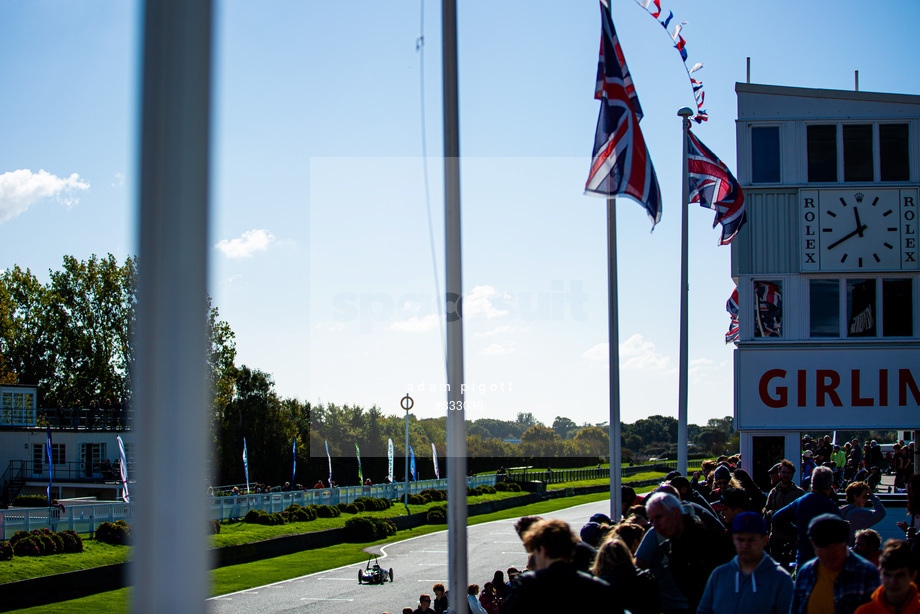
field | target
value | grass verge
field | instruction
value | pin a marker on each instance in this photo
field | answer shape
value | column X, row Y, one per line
column 259, row 573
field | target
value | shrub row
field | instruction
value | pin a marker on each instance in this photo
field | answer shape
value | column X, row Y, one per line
column 30, row 501
column 437, row 514
column 40, row 542
column 117, row 533
column 508, row 486
column 480, row 490
column 263, row 517
column 367, row 529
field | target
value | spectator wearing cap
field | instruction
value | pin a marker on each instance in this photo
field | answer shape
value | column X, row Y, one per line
column 898, row 592
column 857, row 511
column 721, row 479
column 800, row 512
column 808, row 466
column 773, row 474
column 752, row 582
column 555, row 585
column 733, row 502
column 593, row 533
column 837, row 580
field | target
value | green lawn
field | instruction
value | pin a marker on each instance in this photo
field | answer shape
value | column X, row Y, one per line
column 259, row 573
column 639, row 477
column 95, row 554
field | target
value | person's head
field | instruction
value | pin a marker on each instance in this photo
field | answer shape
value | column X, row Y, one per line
column 665, row 514
column 867, row 543
column 707, row 467
column 735, row 501
column 667, row 488
column 438, row 590
column 722, row 477
column 682, row 485
column 774, row 474
column 829, row 534
column 858, row 494
column 822, row 480
column 612, row 554
column 743, row 477
column 749, row 535
column 630, row 534
column 897, row 570
column 512, row 573
column 637, row 514
column 407, row 610
column 786, row 471
column 593, row 533
column 627, row 496
column 472, row 589
column 525, row 523
column 550, row 541
column 487, row 588
column 424, row 602
column 498, row 579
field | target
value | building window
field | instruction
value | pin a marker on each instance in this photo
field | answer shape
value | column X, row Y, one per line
column 824, row 307
column 894, row 154
column 768, row 309
column 39, row 458
column 18, row 408
column 91, row 455
column 861, row 310
column 765, row 154
column 897, row 308
column 822, row 153
column 857, row 152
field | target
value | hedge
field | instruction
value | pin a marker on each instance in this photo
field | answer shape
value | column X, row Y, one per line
column 367, row 529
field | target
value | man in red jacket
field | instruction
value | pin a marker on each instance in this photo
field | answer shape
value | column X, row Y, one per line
column 898, row 593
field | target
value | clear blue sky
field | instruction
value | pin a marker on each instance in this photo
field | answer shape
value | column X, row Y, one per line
column 321, row 260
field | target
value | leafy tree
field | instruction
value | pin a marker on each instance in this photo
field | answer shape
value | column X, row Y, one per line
column 593, row 441
column 527, row 419
column 563, row 426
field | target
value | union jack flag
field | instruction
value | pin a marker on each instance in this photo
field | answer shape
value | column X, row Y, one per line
column 713, row 186
column 768, row 309
column 621, row 164
column 731, row 306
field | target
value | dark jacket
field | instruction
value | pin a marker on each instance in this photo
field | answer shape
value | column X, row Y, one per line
column 558, row 588
column 692, row 557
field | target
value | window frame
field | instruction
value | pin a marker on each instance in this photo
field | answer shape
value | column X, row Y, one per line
column 842, row 319
column 875, row 125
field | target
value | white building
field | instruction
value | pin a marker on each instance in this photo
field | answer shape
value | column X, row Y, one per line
column 80, row 456
column 826, row 267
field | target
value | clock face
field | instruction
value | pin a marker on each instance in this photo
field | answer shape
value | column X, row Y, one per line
column 858, row 230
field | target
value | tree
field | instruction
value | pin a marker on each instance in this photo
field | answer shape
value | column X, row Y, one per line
column 527, row 419
column 593, row 441
column 563, row 426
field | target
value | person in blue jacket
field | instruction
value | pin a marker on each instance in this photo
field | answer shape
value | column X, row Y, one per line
column 801, row 511
column 752, row 582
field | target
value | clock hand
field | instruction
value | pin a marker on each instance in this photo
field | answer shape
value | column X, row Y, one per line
column 859, row 230
column 859, row 226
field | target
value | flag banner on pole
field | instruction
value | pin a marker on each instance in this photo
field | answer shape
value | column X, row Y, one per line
column 714, row 187
column 390, row 458
column 48, row 454
column 412, row 463
column 360, row 476
column 123, row 469
column 329, row 458
column 731, row 306
column 246, row 464
column 434, row 457
column 768, row 307
column 654, row 9
column 620, row 164
column 294, row 468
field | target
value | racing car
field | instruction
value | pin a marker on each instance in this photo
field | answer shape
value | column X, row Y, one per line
column 373, row 573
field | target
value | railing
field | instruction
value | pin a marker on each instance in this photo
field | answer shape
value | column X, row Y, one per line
column 74, row 471
column 84, row 518
column 67, row 418
column 555, row 476
column 14, row 474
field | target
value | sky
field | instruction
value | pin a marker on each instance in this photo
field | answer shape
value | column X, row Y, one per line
column 321, row 256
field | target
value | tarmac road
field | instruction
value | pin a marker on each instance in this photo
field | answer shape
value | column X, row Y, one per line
column 418, row 563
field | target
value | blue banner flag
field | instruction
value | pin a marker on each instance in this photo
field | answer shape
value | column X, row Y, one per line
column 246, row 464
column 50, row 474
column 621, row 164
column 412, row 463
column 434, row 457
column 294, row 469
column 329, row 458
column 390, row 458
column 123, row 469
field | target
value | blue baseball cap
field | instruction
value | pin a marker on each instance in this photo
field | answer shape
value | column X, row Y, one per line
column 749, row 522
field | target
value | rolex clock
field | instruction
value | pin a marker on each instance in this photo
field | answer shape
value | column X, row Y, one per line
column 860, row 229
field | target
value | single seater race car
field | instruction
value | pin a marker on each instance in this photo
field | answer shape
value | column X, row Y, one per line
column 373, row 573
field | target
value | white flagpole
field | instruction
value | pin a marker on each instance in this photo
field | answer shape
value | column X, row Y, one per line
column 685, row 113
column 616, row 495
column 456, row 427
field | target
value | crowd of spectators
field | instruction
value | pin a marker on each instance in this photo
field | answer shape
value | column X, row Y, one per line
column 716, row 543
column 105, row 415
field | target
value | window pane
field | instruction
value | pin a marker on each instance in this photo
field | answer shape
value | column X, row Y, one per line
column 894, row 152
column 857, row 153
column 765, row 154
column 822, row 153
column 824, row 307
column 861, row 312
column 898, row 308
column 768, row 309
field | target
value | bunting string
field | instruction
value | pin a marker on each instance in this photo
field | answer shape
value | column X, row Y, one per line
column 654, row 9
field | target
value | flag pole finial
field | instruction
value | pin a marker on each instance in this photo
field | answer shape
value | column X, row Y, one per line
column 685, row 112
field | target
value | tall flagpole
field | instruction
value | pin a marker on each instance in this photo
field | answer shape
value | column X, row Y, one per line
column 613, row 336
column 456, row 427
column 685, row 113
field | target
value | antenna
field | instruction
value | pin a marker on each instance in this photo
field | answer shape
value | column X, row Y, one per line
column 856, row 75
column 749, row 69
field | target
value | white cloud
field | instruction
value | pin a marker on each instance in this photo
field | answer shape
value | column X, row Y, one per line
column 416, row 324
column 21, row 189
column 244, row 246
column 411, row 306
column 635, row 353
column 499, row 349
column 701, row 365
column 118, row 180
column 478, row 303
column 332, row 328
